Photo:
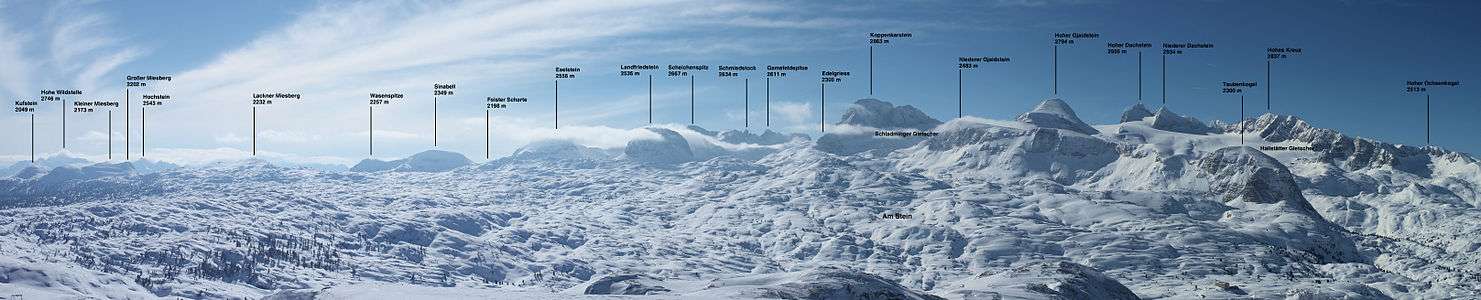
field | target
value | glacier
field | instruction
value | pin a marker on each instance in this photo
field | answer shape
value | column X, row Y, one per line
column 1044, row 206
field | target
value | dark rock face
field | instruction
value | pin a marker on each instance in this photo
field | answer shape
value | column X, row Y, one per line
column 1252, row 176
column 1261, row 188
column 1167, row 120
column 629, row 284
column 766, row 137
column 1348, row 152
column 1135, row 113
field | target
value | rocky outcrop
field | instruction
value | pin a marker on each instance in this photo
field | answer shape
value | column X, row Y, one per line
column 1251, row 176
column 1167, row 120
column 1268, row 204
column 1350, row 153
column 627, row 284
column 1135, row 113
column 766, row 137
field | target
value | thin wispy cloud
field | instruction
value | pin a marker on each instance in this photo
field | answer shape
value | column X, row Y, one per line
column 73, row 46
column 341, row 52
column 14, row 73
column 335, row 53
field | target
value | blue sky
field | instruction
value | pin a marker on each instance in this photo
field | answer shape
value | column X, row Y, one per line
column 1350, row 78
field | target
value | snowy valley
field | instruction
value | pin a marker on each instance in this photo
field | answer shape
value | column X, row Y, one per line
column 889, row 204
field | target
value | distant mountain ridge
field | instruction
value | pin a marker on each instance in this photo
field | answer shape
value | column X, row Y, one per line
column 1041, row 207
column 425, row 161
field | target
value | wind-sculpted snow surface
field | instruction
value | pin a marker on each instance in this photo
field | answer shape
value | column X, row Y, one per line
column 1044, row 280
column 1043, row 208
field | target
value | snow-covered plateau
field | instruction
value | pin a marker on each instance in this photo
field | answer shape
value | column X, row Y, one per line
column 889, row 204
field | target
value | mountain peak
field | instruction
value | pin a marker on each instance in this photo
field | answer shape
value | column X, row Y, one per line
column 1055, row 113
column 1250, row 175
column 436, row 154
column 669, row 148
column 767, row 137
column 1135, row 113
column 701, row 130
column 558, row 150
column 876, row 113
column 425, row 161
column 1167, row 120
column 1278, row 128
column 1349, row 152
column 62, row 158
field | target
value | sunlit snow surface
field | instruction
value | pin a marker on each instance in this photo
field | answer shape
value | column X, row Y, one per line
column 987, row 209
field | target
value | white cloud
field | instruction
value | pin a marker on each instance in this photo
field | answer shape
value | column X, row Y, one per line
column 391, row 134
column 93, row 136
column 390, row 45
column 88, row 78
column 735, row 115
column 361, row 40
column 83, row 43
column 522, row 131
column 14, row 73
column 188, row 156
column 192, row 156
column 1040, row 3
column 337, row 52
column 73, row 34
column 341, row 51
column 231, row 139
column 827, row 22
column 792, row 112
column 71, row 47
column 296, row 137
column 636, row 103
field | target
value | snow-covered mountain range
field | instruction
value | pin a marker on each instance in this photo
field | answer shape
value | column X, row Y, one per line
column 890, row 204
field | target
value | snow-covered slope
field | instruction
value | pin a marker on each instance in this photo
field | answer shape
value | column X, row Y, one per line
column 31, row 279
column 1055, row 113
column 880, row 114
column 425, row 161
column 27, row 169
column 1167, row 120
column 866, row 119
column 60, row 159
column 1043, row 280
column 1042, row 207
